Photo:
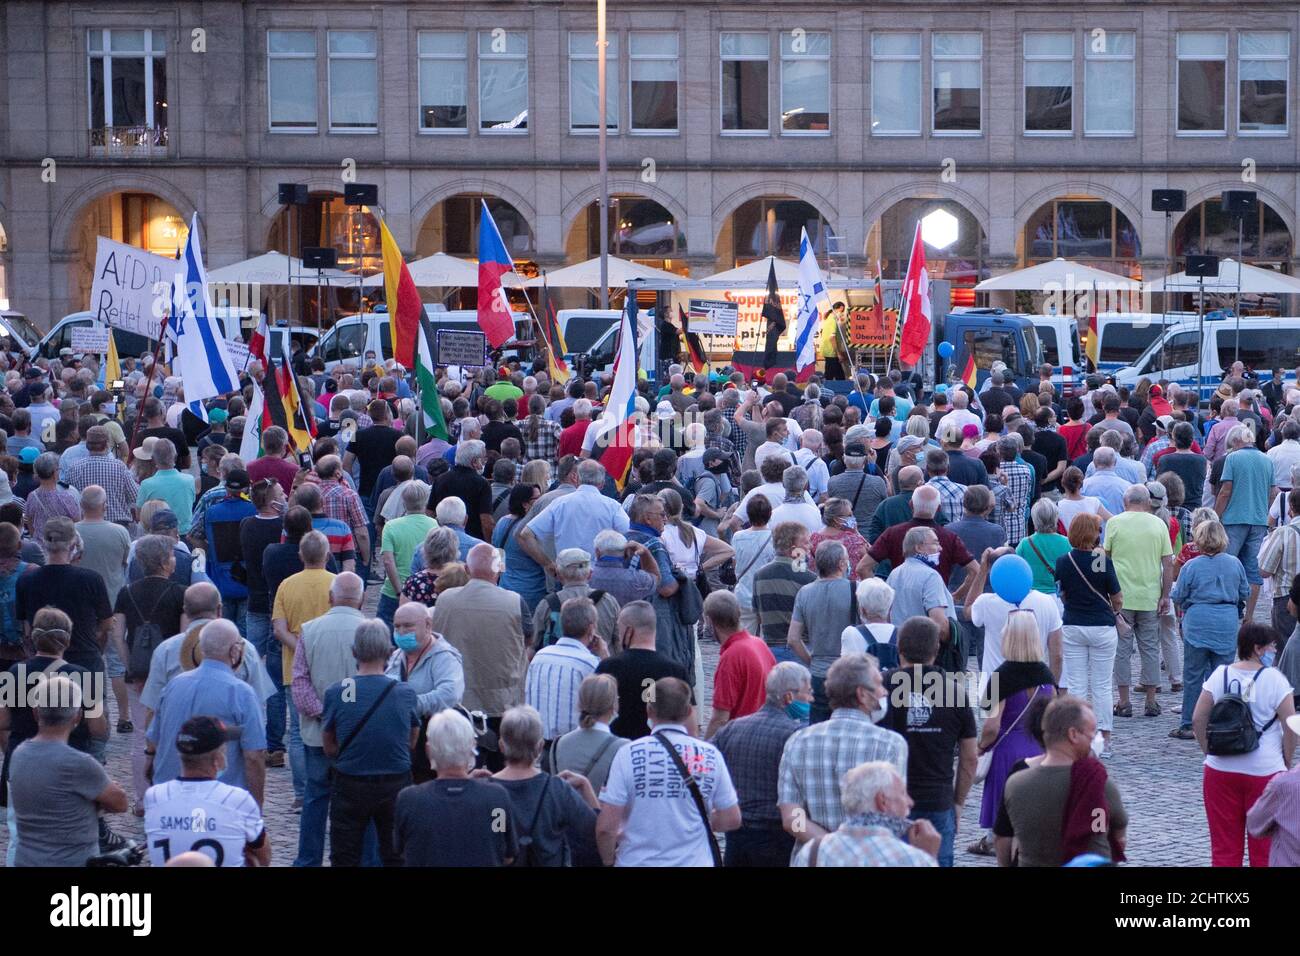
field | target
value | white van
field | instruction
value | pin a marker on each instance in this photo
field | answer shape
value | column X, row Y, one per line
column 19, row 330
column 1263, row 345
column 60, row 337
column 1059, row 337
column 600, row 357
column 583, row 328
column 1127, row 335
column 352, row 336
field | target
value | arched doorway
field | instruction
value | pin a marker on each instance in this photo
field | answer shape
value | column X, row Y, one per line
column 1086, row 229
column 1260, row 238
column 452, row 227
column 770, row 226
column 135, row 218
column 955, row 244
column 640, row 230
column 326, row 221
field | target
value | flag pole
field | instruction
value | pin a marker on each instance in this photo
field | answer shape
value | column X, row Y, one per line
column 148, row 384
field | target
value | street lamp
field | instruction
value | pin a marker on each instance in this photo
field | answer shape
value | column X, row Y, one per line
column 604, row 157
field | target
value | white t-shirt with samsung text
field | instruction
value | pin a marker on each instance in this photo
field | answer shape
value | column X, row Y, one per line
column 204, row 815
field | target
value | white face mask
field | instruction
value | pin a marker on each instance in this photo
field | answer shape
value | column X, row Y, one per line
column 882, row 708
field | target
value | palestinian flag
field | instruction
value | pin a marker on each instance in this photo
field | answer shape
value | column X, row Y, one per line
column 694, row 346
column 969, row 374
column 553, row 337
column 427, row 385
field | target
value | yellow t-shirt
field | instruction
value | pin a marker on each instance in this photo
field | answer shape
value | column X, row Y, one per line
column 302, row 597
column 827, row 340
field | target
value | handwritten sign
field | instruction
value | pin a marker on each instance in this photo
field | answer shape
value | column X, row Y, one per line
column 238, row 354
column 90, row 340
column 454, row 347
column 132, row 287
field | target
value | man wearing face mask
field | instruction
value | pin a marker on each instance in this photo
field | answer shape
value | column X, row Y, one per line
column 752, row 748
column 433, row 668
column 815, row 760
column 212, row 689
column 919, row 591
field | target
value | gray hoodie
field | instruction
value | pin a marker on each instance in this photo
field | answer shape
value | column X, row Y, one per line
column 438, row 678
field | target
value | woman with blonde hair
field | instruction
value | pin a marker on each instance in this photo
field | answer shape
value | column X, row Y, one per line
column 589, row 750
column 1029, row 406
column 1210, row 591
column 1019, row 680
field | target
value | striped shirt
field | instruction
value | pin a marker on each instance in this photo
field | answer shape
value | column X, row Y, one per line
column 110, row 474
column 1276, row 816
column 1280, row 556
column 552, row 683
column 547, row 443
column 1019, row 481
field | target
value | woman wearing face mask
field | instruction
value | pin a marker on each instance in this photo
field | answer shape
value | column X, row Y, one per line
column 1020, row 679
column 841, row 526
column 431, row 666
column 1232, row 783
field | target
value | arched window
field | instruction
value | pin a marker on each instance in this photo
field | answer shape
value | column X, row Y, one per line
column 771, row 226
column 638, row 229
column 1086, row 229
column 1207, row 230
column 452, row 227
column 955, row 245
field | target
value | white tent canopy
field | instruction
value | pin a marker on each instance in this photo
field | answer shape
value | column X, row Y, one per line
column 1232, row 277
column 441, row 271
column 754, row 275
column 586, row 275
column 1059, row 274
column 276, row 268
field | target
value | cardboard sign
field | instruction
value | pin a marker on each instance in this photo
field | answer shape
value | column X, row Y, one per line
column 90, row 340
column 238, row 354
column 454, row 347
column 713, row 316
column 132, row 288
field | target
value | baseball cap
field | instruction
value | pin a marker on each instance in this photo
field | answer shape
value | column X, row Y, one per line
column 856, row 450
column 1157, row 491
column 217, row 415
column 572, row 558
column 664, row 409
column 202, row 735
column 713, row 458
column 145, row 451
column 908, row 442
column 238, row 480
column 163, row 520
column 1156, row 391
column 33, row 373
column 28, row 455
column 1164, row 422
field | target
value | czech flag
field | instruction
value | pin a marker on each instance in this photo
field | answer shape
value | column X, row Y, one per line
column 495, row 316
column 403, row 300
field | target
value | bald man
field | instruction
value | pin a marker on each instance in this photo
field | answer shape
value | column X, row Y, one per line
column 212, row 689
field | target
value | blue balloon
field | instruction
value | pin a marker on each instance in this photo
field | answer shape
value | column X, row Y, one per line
column 945, row 350
column 941, row 388
column 1011, row 578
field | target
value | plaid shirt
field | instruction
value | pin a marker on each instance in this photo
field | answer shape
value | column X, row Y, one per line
column 738, row 440
column 206, row 501
column 1149, row 454
column 111, row 475
column 752, row 748
column 863, row 846
column 951, row 497
column 546, row 445
column 1020, row 485
column 342, row 503
column 1280, row 555
column 817, row 758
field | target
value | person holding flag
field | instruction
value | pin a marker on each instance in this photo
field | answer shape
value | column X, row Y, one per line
column 611, row 439
column 202, row 359
column 812, row 293
column 834, row 330
column 773, row 319
column 495, row 317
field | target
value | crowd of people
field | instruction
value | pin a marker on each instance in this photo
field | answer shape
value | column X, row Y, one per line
column 530, row 687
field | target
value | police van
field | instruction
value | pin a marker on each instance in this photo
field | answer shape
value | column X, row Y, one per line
column 1262, row 344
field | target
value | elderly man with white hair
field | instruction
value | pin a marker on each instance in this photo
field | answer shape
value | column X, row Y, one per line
column 455, row 820
column 961, row 415
column 690, row 465
column 794, row 505
column 465, row 481
column 1106, row 483
column 574, row 520
column 1245, row 491
column 876, row 830
column 812, row 447
column 212, row 690
column 615, row 574
column 925, row 513
column 398, row 546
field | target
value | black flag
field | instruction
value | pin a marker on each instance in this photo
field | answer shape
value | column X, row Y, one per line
column 773, row 317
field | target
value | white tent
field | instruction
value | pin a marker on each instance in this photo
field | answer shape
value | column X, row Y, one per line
column 276, row 268
column 1232, row 278
column 586, row 275
column 1059, row 274
column 754, row 275
column 441, row 271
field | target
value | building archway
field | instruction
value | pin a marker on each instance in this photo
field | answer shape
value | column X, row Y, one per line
column 452, row 227
column 1260, row 238
column 956, row 246
column 326, row 221
column 1084, row 228
column 770, row 226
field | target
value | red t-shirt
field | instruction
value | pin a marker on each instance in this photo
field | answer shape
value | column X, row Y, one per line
column 740, row 682
column 1076, row 438
column 283, row 470
column 571, row 437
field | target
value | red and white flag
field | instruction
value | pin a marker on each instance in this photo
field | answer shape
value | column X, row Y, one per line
column 918, row 313
column 257, row 343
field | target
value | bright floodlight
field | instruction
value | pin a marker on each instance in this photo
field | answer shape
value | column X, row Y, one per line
column 939, row 229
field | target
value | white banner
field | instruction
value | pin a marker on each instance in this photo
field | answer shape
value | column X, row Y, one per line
column 713, row 317
column 238, row 354
column 750, row 334
column 128, row 283
column 90, row 340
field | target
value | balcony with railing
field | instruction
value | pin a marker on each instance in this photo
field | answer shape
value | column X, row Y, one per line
column 129, row 142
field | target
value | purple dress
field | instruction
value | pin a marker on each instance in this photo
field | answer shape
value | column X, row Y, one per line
column 1011, row 747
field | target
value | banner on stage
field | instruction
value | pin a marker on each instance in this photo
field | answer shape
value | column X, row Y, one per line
column 90, row 340
column 713, row 317
column 456, row 347
column 132, row 288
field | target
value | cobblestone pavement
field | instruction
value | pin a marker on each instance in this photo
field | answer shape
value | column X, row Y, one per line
column 1159, row 779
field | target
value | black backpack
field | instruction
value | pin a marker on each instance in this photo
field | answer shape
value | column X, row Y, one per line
column 144, row 639
column 552, row 632
column 1231, row 731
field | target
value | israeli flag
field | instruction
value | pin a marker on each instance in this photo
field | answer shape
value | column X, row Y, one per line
column 812, row 291
column 202, row 360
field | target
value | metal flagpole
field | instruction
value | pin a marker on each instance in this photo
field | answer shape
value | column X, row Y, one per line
column 601, row 61
column 1236, row 296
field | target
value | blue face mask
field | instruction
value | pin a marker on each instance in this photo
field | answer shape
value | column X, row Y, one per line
column 406, row 642
column 1268, row 657
column 931, row 559
column 799, row 710
column 850, row 522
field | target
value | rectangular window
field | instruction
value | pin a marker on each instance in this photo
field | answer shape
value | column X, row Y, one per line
column 1263, row 64
column 744, row 82
column 653, row 75
column 353, row 81
column 128, row 88
column 291, row 79
column 502, row 82
column 1109, row 84
column 444, row 95
column 957, row 71
column 805, row 82
column 1202, row 82
column 896, row 84
column 1049, row 83
column 584, row 86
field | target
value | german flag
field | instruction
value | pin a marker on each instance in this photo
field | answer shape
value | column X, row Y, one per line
column 284, row 406
column 969, row 374
column 694, row 346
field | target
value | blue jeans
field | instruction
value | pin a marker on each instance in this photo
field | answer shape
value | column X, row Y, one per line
column 236, row 609
column 260, row 636
column 1244, row 541
column 316, row 811
column 386, row 609
column 1198, row 664
column 297, row 756
column 784, row 654
column 945, row 821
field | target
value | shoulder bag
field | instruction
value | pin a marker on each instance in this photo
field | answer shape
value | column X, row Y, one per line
column 695, row 795
column 1122, row 626
column 985, row 762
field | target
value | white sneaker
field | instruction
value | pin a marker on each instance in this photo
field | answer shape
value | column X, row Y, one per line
column 1176, row 709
